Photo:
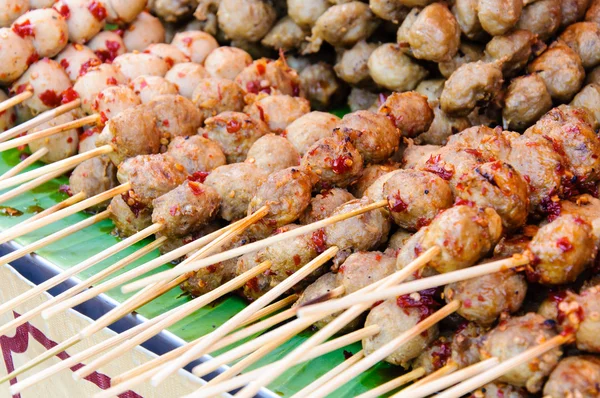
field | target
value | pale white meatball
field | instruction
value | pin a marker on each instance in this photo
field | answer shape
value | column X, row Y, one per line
column 195, row 44
column 278, row 111
column 394, row 70
column 227, row 62
column 16, row 54
column 124, row 11
column 60, row 146
column 107, row 45
column 114, row 100
column 310, row 128
column 46, row 28
column 132, row 65
column 48, row 81
column 305, row 13
column 77, row 60
column 186, row 76
column 170, row 53
column 96, row 80
column 85, row 18
column 10, row 10
column 149, row 87
column 8, row 117
column 272, row 153
column 145, row 30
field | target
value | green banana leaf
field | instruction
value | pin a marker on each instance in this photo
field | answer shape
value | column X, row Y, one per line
column 76, row 248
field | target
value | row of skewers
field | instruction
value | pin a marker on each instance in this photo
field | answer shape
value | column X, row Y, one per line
column 461, row 196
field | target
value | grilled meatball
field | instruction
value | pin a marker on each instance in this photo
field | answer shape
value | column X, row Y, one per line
column 416, row 197
column 306, row 130
column 235, row 132
column 525, row 101
column 46, row 29
column 373, row 135
column 360, row 100
column 196, row 153
column 431, row 89
column 60, row 146
column 575, row 376
column 431, row 33
column 542, row 17
column 470, row 85
column 561, row 69
column 187, row 76
column 213, row 96
column 272, row 153
column 150, row 176
column 352, row 66
column 414, row 155
column 278, row 111
column 465, row 12
column 186, row 208
column 306, row 13
column 487, row 297
column 409, row 111
column 248, row 21
column 586, row 337
column 364, row 268
column 270, row 77
column 499, row 16
column 10, row 10
column 335, row 161
column 495, row 390
column 173, row 11
column 392, row 69
column 465, row 344
column 285, row 35
column 145, row 30
column 398, row 239
column 394, row 320
column 394, row 11
column 460, row 227
column 169, row 52
column 124, row 11
column 94, row 176
column 132, row 132
column 467, row 52
column 584, row 39
column 7, row 117
column 132, row 65
column 589, row 98
column 572, row 11
column 513, row 337
column 129, row 219
column 76, row 60
column 375, row 190
column 513, row 50
column 323, row 204
column 113, row 100
column 17, row 52
column 359, row 233
column 195, row 44
column 321, row 86
column 107, row 45
column 435, row 356
column 85, row 18
column 175, row 116
column 227, row 62
column 94, row 81
column 343, row 25
column 236, row 184
column 442, row 127
column 149, row 87
column 370, row 174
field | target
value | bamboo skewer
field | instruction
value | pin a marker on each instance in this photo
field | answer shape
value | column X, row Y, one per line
column 434, row 386
column 443, row 371
column 202, row 346
column 34, row 157
column 91, row 119
column 28, row 186
column 15, row 100
column 183, row 311
column 477, row 381
column 251, row 247
column 393, row 384
column 381, row 353
column 39, row 119
column 269, row 309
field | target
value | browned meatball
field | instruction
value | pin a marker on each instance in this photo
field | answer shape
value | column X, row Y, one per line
column 321, row 85
column 495, row 390
column 394, row 320
column 442, row 127
column 364, row 268
column 416, row 197
column 431, row 33
column 584, row 39
column 287, row 193
column 196, row 153
column 249, row 20
column 335, row 161
column 513, row 50
column 469, row 85
column 561, row 69
column 324, row 203
column 186, row 208
column 236, row 184
column 586, row 337
column 562, row 249
column 272, row 152
column 373, row 135
column 214, row 95
column 525, row 101
column 392, row 69
column 175, row 116
column 467, row 52
column 129, row 219
column 375, row 190
column 414, row 155
column 465, row 344
column 270, row 77
column 285, row 35
column 359, row 100
column 370, row 174
column 541, row 17
column 235, row 132
column 575, row 376
column 93, row 177
column 487, row 297
column 352, row 66
column 589, row 98
column 455, row 230
column 305, row 131
column 489, row 144
column 278, row 111
column 572, row 11
column 465, row 12
column 150, row 176
column 513, row 337
column 435, row 356
column 409, row 111
column 390, row 10
column 499, row 16
column 399, row 239
column 431, row 88
column 306, row 13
